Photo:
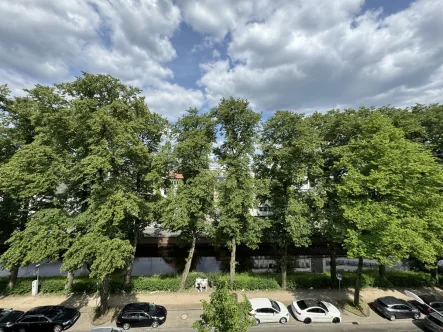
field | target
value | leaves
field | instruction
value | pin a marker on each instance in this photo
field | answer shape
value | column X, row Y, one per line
column 224, row 313
column 390, row 195
column 236, row 193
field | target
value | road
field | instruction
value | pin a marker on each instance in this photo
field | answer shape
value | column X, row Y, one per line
column 379, row 327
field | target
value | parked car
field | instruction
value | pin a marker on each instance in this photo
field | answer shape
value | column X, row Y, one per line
column 393, row 308
column 106, row 329
column 434, row 322
column 313, row 310
column 47, row 318
column 8, row 317
column 433, row 301
column 141, row 314
column 268, row 311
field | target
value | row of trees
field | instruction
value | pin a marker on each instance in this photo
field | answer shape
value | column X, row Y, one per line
column 83, row 166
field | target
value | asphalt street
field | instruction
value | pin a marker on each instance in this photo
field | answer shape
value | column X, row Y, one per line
column 416, row 326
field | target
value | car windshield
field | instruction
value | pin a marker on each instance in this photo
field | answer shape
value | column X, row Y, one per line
column 151, row 308
column 302, row 305
column 275, row 305
column 53, row 312
column 381, row 303
column 321, row 305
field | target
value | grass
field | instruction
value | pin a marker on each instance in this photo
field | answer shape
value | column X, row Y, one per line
column 361, row 310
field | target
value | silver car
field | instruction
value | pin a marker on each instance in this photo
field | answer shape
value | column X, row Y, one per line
column 434, row 322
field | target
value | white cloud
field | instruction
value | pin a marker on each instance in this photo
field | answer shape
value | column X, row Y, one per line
column 129, row 39
column 172, row 100
column 307, row 55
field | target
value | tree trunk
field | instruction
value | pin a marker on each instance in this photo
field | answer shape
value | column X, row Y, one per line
column 130, row 265
column 187, row 265
column 284, row 266
column 104, row 295
column 358, row 282
column 382, row 270
column 333, row 264
column 232, row 263
column 69, row 282
column 12, row 277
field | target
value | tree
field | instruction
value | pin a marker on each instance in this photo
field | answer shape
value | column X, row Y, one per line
column 336, row 130
column 290, row 156
column 235, row 195
column 112, row 176
column 390, row 195
column 28, row 169
column 224, row 313
column 95, row 138
column 187, row 208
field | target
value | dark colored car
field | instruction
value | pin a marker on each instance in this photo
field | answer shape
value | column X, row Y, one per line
column 433, row 301
column 393, row 308
column 141, row 314
column 434, row 322
column 47, row 318
column 7, row 319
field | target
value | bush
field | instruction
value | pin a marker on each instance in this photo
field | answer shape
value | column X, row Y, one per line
column 246, row 281
column 406, row 279
column 307, row 280
column 155, row 283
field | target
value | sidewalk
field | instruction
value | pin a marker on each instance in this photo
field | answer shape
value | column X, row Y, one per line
column 185, row 307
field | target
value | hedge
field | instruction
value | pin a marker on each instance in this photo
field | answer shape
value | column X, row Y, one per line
column 243, row 281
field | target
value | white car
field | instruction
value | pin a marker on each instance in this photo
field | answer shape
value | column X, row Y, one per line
column 268, row 311
column 312, row 310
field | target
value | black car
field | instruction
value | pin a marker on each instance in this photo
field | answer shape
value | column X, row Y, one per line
column 141, row 314
column 47, row 318
column 393, row 308
column 7, row 319
column 433, row 301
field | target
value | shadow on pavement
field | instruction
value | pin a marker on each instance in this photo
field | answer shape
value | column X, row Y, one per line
column 76, row 301
column 420, row 323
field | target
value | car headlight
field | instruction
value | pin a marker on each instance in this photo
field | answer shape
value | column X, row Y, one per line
column 8, row 324
column 161, row 318
column 66, row 323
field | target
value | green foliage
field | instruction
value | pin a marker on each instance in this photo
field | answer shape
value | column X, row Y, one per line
column 236, row 194
column 107, row 255
column 46, row 235
column 243, row 281
column 289, row 158
column 224, row 313
column 390, row 195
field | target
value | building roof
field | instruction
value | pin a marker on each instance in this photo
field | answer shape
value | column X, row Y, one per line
column 177, row 176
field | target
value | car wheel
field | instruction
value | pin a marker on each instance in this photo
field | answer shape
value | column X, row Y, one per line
column 154, row 324
column 392, row 318
column 58, row 328
column 417, row 316
column 307, row 320
column 126, row 326
column 283, row 320
column 257, row 322
column 336, row 320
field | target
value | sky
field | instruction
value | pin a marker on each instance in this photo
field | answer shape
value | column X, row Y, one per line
column 297, row 55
